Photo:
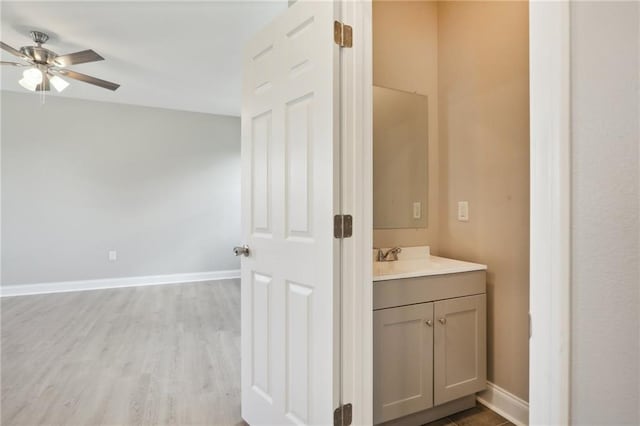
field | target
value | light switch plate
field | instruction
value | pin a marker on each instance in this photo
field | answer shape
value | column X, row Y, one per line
column 417, row 210
column 113, row 255
column 463, row 211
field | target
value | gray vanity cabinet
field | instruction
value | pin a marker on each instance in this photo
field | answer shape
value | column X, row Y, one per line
column 403, row 365
column 460, row 348
column 429, row 352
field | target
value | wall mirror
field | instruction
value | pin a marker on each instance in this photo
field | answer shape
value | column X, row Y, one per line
column 400, row 154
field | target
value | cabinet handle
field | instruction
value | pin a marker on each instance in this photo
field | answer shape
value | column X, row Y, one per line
column 429, row 323
column 443, row 321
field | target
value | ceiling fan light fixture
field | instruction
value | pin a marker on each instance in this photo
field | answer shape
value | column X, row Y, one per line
column 43, row 63
column 58, row 83
column 33, row 76
column 28, row 84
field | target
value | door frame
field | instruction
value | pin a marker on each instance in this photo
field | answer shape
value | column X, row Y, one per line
column 550, row 212
column 356, row 74
column 550, row 240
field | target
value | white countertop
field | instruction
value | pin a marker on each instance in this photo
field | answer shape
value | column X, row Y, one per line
column 418, row 262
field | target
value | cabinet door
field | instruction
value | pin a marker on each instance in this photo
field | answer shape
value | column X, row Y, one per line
column 402, row 361
column 460, row 355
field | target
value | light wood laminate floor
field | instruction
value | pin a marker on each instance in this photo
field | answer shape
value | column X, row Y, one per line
column 158, row 355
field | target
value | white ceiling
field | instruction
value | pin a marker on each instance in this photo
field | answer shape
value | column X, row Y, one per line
column 179, row 55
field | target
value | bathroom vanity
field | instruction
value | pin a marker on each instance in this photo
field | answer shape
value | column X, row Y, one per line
column 429, row 333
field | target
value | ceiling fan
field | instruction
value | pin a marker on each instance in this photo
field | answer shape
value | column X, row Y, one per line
column 46, row 68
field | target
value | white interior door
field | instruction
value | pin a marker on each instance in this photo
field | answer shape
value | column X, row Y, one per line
column 290, row 193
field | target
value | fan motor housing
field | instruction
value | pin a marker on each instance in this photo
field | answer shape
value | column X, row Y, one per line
column 39, row 54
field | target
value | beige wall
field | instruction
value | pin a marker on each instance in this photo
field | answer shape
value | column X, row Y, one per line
column 405, row 50
column 484, row 159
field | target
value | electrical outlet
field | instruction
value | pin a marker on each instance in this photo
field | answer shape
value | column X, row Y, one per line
column 113, row 255
column 463, row 211
column 417, row 210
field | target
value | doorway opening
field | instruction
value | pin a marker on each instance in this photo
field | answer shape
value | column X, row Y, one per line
column 453, row 185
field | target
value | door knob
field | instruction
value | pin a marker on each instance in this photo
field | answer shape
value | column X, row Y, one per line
column 429, row 323
column 244, row 251
column 443, row 321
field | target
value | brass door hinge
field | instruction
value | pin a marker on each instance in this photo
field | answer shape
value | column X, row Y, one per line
column 342, row 415
column 342, row 226
column 342, row 34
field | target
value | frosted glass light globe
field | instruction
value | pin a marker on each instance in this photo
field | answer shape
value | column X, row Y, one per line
column 33, row 76
column 58, row 83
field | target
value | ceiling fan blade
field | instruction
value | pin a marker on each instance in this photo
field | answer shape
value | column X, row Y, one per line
column 44, row 85
column 77, row 58
column 15, row 64
column 87, row 79
column 14, row 52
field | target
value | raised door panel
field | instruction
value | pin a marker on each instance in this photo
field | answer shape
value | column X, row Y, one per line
column 460, row 361
column 403, row 361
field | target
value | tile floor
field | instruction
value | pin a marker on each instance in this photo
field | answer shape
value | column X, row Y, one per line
column 476, row 416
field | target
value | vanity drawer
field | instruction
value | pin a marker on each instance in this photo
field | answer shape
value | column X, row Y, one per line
column 407, row 291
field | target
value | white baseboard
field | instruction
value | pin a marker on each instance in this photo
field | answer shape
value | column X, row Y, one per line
column 106, row 283
column 509, row 406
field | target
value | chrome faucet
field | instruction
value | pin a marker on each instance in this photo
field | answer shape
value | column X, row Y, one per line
column 388, row 256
